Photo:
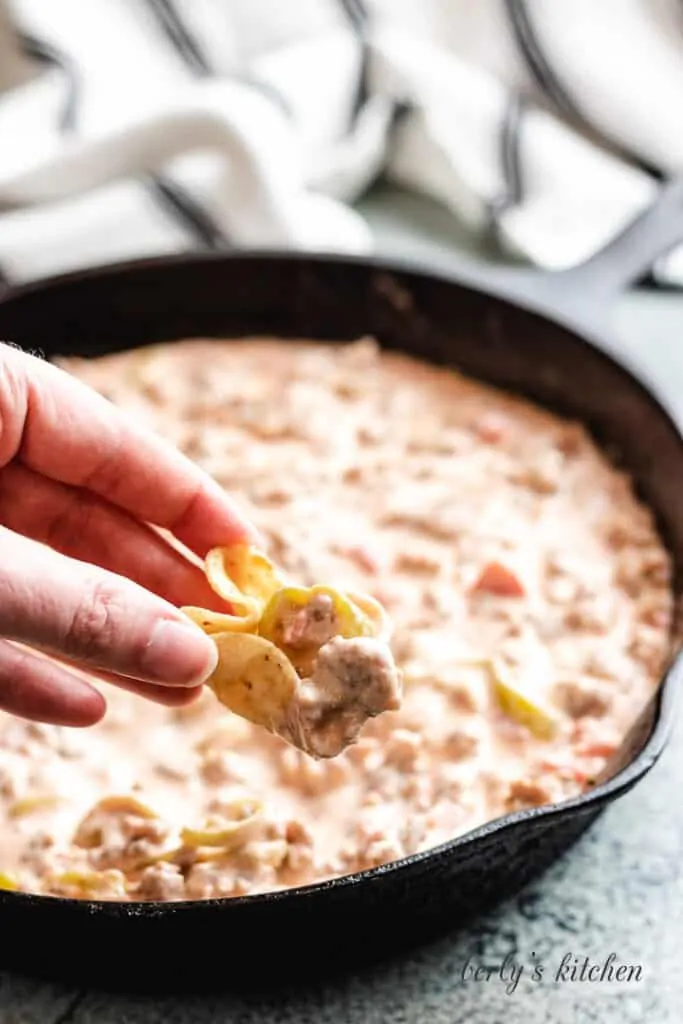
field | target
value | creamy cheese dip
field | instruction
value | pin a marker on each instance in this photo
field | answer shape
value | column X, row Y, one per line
column 497, row 537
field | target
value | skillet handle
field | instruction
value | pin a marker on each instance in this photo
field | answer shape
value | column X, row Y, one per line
column 584, row 294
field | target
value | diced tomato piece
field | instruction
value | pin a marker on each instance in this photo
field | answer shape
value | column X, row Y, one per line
column 564, row 769
column 364, row 558
column 385, row 595
column 496, row 578
column 596, row 750
column 491, row 428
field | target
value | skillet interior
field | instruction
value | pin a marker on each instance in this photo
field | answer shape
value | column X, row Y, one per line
column 370, row 915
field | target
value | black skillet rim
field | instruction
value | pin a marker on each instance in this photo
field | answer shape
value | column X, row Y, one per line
column 664, row 699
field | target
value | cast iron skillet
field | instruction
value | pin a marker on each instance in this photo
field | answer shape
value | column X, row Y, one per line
column 535, row 334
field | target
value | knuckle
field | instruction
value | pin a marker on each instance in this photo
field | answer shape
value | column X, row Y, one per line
column 95, row 621
column 69, row 524
column 106, row 475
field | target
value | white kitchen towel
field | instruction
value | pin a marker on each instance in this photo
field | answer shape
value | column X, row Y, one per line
column 139, row 127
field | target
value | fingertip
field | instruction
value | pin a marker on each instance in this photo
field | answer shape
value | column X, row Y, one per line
column 248, row 534
column 242, row 532
column 41, row 690
column 69, row 702
column 216, row 521
column 89, row 709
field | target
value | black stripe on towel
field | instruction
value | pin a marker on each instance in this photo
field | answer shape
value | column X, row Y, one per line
column 181, row 38
column 543, row 74
column 174, row 201
column 170, row 194
column 187, row 211
column 188, row 47
column 179, row 201
column 358, row 17
column 268, row 90
column 357, row 13
column 550, row 84
column 49, row 55
column 510, row 160
column 399, row 111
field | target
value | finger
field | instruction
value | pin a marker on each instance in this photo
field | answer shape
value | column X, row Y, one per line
column 84, row 526
column 96, row 618
column 44, row 691
column 169, row 696
column 64, row 430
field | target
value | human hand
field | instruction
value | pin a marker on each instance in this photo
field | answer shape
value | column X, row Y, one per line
column 84, row 577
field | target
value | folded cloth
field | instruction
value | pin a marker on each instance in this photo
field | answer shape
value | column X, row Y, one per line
column 140, row 127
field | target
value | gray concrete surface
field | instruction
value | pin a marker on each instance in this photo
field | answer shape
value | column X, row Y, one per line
column 619, row 891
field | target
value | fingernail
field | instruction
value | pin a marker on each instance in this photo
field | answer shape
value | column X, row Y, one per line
column 179, row 654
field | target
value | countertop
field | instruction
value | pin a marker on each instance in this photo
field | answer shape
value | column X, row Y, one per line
column 618, row 891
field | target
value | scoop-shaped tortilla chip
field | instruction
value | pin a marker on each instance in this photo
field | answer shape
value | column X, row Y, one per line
column 521, row 706
column 245, row 578
column 342, row 617
column 273, row 635
column 245, row 621
column 88, row 884
column 253, row 678
column 33, row 805
column 242, row 571
column 236, row 825
column 374, row 612
column 351, row 620
column 90, row 830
